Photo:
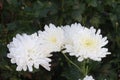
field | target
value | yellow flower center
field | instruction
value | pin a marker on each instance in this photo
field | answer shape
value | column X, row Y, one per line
column 53, row 39
column 30, row 51
column 89, row 43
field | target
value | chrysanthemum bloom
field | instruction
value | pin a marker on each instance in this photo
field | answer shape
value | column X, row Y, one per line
column 26, row 52
column 70, row 31
column 52, row 37
column 88, row 78
column 85, row 43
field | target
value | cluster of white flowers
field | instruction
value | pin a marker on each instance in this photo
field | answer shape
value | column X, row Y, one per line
column 29, row 51
column 88, row 78
column 34, row 50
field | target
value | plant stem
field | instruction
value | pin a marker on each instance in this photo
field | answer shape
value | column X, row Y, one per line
column 72, row 62
column 85, row 67
column 86, row 70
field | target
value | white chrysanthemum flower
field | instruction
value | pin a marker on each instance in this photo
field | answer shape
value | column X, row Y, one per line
column 26, row 52
column 70, row 31
column 85, row 43
column 53, row 37
column 88, row 78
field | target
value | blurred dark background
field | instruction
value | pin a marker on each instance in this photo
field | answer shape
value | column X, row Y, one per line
column 29, row 16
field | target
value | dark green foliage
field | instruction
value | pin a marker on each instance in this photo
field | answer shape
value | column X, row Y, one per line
column 71, row 73
column 29, row 16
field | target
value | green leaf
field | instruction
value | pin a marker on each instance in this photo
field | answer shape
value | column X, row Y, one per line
column 1, row 27
column 71, row 73
column 92, row 3
column 95, row 21
column 11, row 26
column 77, row 14
column 13, row 2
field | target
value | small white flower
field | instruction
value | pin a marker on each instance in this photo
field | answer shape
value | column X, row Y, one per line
column 85, row 43
column 26, row 52
column 52, row 37
column 88, row 78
